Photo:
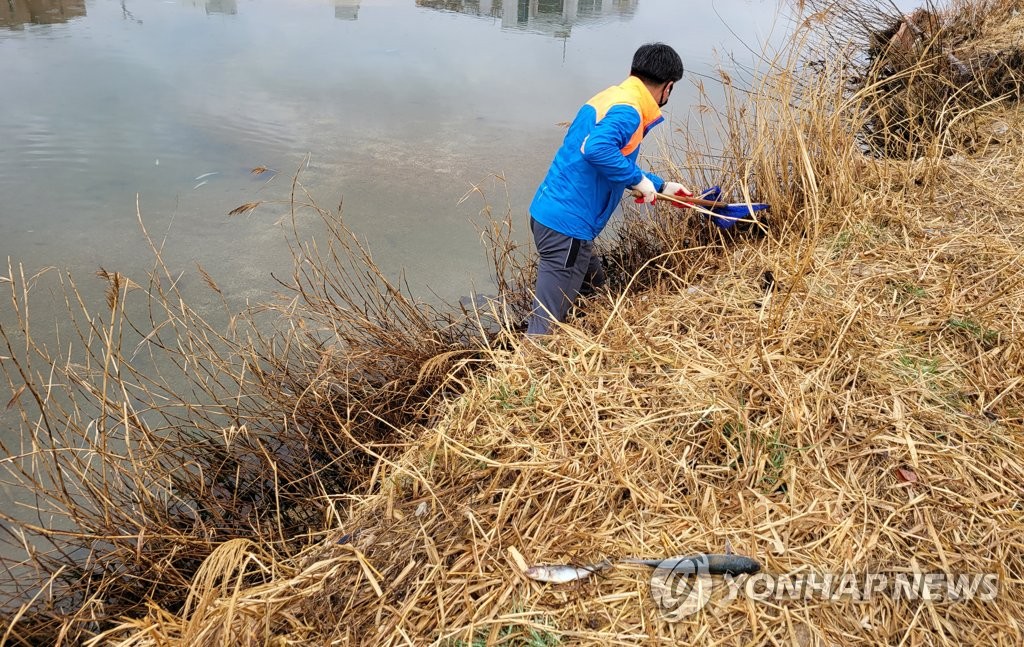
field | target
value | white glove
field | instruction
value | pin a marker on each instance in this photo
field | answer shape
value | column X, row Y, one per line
column 675, row 188
column 647, row 191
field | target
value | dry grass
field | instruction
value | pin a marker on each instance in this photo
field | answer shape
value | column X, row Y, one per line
column 843, row 394
column 150, row 437
column 927, row 70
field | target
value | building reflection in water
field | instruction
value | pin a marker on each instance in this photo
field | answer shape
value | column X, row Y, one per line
column 555, row 17
column 343, row 9
column 227, row 7
column 16, row 13
column 346, row 9
column 223, row 7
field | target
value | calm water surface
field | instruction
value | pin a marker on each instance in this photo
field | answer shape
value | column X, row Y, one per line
column 401, row 106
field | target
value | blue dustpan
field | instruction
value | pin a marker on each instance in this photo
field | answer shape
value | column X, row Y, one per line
column 726, row 215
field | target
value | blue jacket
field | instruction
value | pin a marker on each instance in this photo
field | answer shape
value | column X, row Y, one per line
column 597, row 161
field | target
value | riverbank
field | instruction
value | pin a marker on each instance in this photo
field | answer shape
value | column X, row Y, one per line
column 838, row 393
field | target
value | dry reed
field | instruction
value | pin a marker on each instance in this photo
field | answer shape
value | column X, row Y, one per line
column 927, row 70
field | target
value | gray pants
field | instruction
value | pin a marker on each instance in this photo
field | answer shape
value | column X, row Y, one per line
column 567, row 269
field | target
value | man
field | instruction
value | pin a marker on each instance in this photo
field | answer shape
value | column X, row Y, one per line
column 596, row 163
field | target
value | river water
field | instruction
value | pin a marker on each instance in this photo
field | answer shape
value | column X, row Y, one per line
column 398, row 107
column 401, row 105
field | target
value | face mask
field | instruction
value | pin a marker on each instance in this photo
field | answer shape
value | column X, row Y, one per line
column 666, row 93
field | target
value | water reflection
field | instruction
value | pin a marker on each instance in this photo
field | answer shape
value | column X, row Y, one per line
column 16, row 13
column 346, row 9
column 554, row 17
column 228, row 7
column 225, row 7
column 343, row 9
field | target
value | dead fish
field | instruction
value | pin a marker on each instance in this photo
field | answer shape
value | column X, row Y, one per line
column 199, row 185
column 562, row 573
column 716, row 564
column 205, row 175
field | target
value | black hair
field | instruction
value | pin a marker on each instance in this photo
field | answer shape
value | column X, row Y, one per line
column 657, row 63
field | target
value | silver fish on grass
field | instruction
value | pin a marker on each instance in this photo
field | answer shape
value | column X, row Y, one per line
column 562, row 573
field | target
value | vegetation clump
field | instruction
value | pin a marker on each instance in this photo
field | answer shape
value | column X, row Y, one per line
column 928, row 69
